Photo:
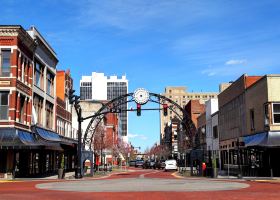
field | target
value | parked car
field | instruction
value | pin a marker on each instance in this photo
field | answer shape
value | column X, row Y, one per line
column 170, row 165
column 152, row 164
column 132, row 163
column 149, row 164
column 160, row 164
column 146, row 164
column 139, row 163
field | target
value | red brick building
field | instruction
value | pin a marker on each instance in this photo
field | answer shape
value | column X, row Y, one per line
column 64, row 83
column 16, row 67
column 194, row 108
column 112, row 135
column 29, row 145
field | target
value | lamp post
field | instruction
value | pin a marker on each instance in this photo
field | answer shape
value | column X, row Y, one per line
column 102, row 145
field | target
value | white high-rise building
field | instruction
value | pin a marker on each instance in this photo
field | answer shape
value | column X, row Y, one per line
column 100, row 87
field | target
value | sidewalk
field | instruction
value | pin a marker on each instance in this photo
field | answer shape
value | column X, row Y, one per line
column 245, row 178
column 71, row 175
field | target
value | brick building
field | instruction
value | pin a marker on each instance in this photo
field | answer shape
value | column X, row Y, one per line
column 181, row 96
column 63, row 117
column 28, row 143
column 249, row 126
column 16, row 55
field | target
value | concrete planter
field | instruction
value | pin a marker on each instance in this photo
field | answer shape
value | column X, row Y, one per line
column 61, row 173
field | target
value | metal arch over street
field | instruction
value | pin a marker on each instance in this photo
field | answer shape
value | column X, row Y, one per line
column 113, row 106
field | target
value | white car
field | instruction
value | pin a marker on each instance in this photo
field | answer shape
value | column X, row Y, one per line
column 170, row 165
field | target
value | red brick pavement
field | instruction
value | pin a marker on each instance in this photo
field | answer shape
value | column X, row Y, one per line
column 26, row 190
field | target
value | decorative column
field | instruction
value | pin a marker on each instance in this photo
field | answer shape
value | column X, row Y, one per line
column 26, row 72
column 12, row 105
column 14, row 62
column 30, row 74
column 19, row 65
column 17, row 106
column 29, row 111
column 25, row 110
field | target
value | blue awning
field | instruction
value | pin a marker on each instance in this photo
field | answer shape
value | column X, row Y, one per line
column 12, row 137
column 48, row 135
column 266, row 139
column 255, row 140
column 27, row 138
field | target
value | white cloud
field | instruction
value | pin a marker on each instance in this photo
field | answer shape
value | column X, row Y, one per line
column 139, row 136
column 236, row 62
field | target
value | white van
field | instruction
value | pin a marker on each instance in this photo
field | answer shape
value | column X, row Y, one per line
column 170, row 165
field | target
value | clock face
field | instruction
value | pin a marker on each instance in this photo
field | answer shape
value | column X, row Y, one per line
column 141, row 96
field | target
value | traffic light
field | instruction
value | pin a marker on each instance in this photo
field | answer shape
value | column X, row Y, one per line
column 138, row 110
column 165, row 106
column 77, row 100
column 71, row 96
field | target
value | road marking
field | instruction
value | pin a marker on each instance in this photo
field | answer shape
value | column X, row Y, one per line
column 176, row 175
column 7, row 181
column 143, row 175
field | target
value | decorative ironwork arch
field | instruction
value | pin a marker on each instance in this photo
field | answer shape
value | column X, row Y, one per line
column 114, row 106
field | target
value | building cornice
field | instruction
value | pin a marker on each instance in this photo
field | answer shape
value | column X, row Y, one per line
column 17, row 31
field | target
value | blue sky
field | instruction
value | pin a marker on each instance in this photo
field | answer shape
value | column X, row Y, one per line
column 156, row 43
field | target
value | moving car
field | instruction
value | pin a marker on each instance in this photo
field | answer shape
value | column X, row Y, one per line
column 170, row 165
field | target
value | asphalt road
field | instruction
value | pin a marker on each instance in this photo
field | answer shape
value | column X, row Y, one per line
column 140, row 184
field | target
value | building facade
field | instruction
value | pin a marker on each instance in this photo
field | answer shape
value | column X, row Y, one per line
column 212, row 132
column 249, row 126
column 64, row 110
column 16, row 78
column 100, row 87
column 29, row 144
column 181, row 96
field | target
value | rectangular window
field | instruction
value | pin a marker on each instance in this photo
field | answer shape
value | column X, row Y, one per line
column 22, row 108
column 50, row 83
column 39, row 75
column 276, row 113
column 215, row 131
column 5, row 58
column 38, row 105
column 4, row 105
column 49, row 115
column 252, row 119
column 266, row 115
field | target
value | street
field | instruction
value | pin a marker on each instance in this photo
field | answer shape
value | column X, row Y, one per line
column 139, row 184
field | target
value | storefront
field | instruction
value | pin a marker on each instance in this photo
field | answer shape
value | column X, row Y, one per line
column 258, row 156
column 34, row 154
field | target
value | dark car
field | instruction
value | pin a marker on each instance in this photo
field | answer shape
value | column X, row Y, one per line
column 152, row 164
column 146, row 164
column 160, row 164
column 139, row 163
column 149, row 164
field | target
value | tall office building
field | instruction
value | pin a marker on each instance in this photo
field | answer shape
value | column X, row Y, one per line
column 100, row 87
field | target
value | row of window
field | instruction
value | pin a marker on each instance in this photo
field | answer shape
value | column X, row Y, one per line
column 196, row 96
column 38, row 105
column 86, row 84
column 39, row 78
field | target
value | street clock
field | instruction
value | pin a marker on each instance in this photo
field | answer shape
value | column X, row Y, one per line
column 141, row 96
